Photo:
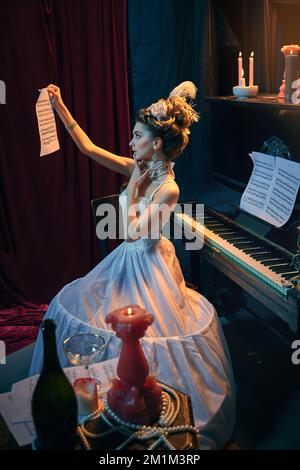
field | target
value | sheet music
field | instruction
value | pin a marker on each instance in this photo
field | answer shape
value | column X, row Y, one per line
column 272, row 189
column 15, row 406
column 46, row 123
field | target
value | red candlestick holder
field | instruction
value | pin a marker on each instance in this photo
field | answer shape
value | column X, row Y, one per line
column 134, row 396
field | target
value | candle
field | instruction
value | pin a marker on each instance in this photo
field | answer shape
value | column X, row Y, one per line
column 291, row 68
column 86, row 394
column 131, row 321
column 134, row 396
column 240, row 68
column 251, row 69
column 130, row 324
column 291, row 74
column 242, row 81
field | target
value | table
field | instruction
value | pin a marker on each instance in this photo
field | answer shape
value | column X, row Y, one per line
column 181, row 441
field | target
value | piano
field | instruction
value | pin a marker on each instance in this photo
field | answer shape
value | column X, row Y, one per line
column 261, row 259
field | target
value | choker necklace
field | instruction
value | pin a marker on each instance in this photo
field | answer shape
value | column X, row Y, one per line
column 160, row 168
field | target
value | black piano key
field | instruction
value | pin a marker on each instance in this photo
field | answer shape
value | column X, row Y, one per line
column 235, row 240
column 261, row 255
column 220, row 230
column 278, row 266
column 214, row 224
column 228, row 234
column 276, row 262
column 254, row 251
column 242, row 244
column 224, row 236
column 281, row 269
column 231, row 238
column 289, row 276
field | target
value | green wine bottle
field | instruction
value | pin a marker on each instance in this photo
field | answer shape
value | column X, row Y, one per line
column 54, row 404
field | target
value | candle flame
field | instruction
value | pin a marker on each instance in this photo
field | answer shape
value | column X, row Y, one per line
column 252, row 54
column 129, row 311
column 240, row 54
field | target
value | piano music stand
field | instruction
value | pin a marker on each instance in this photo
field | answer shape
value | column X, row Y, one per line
column 275, row 147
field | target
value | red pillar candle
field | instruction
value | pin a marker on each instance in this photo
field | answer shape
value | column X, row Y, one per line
column 134, row 396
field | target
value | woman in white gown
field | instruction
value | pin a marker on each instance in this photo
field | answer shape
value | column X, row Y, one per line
column 185, row 338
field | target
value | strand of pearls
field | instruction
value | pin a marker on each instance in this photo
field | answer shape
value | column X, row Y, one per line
column 159, row 432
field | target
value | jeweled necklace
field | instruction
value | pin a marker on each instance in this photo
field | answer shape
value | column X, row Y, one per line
column 160, row 168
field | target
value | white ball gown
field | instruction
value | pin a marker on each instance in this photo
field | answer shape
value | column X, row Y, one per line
column 185, row 338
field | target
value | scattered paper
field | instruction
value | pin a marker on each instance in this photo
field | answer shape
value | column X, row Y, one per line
column 22, row 391
column 15, row 406
column 272, row 188
column 46, row 123
column 24, row 433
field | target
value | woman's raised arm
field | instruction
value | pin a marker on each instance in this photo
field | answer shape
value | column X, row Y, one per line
column 123, row 165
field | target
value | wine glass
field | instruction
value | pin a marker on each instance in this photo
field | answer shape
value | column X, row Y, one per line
column 84, row 349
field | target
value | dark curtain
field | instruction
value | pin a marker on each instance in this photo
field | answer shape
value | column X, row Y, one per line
column 169, row 42
column 47, row 233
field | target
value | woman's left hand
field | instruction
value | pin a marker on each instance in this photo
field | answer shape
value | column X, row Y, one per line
column 140, row 173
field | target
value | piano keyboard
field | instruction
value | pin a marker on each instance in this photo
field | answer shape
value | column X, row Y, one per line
column 264, row 261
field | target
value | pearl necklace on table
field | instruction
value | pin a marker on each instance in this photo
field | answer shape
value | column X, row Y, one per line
column 161, row 431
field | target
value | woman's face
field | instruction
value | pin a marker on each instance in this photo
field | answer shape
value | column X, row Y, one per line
column 142, row 143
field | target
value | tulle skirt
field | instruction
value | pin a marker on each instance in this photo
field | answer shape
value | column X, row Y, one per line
column 185, row 338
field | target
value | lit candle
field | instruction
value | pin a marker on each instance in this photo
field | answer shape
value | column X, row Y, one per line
column 240, row 68
column 134, row 396
column 291, row 68
column 131, row 321
column 251, row 69
column 291, row 73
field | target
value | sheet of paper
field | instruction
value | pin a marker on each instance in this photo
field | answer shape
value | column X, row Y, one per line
column 272, row 189
column 22, row 391
column 24, row 433
column 46, row 123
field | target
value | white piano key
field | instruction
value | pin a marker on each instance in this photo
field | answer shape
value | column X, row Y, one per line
column 233, row 252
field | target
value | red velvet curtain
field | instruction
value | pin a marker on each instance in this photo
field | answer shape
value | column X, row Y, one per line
column 47, row 233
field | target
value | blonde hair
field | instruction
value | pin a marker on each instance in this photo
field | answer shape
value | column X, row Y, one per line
column 171, row 118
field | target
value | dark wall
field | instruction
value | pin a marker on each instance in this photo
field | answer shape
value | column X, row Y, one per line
column 169, row 42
